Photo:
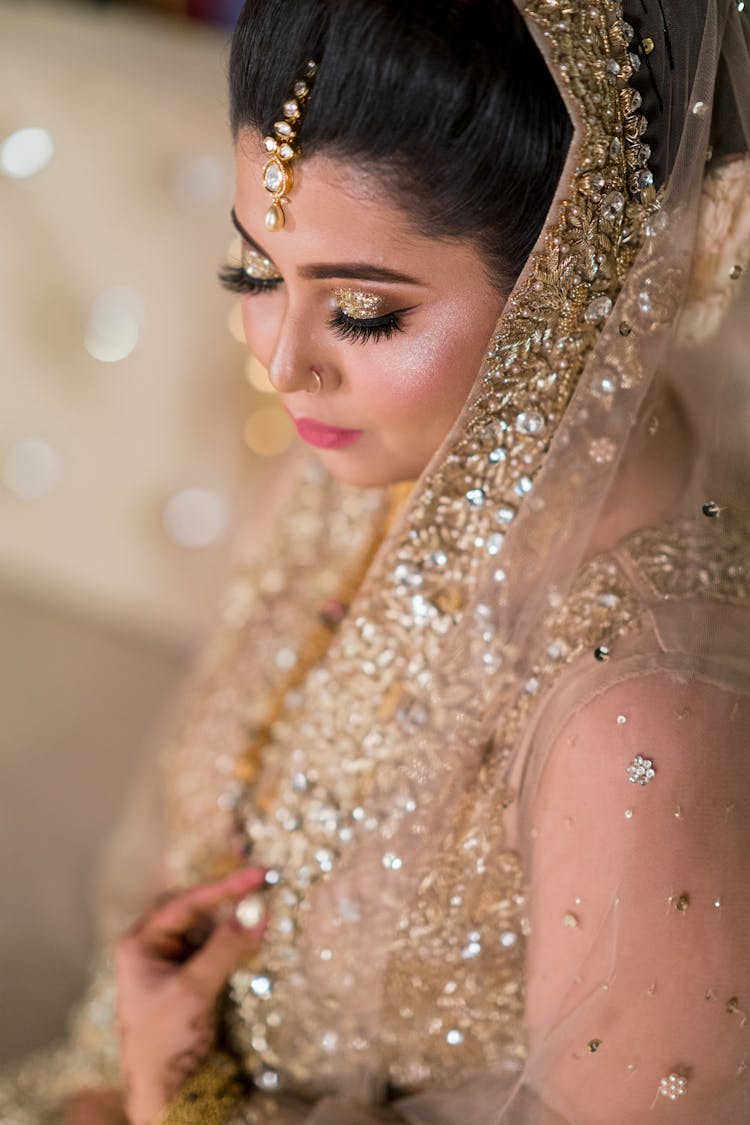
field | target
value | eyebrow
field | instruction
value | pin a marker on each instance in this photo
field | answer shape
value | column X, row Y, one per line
column 350, row 271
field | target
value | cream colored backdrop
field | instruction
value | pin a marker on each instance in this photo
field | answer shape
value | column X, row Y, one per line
column 125, row 475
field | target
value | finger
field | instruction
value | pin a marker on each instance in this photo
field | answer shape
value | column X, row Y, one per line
column 191, row 908
column 229, row 945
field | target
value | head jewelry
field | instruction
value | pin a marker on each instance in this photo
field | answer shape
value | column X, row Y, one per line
column 278, row 174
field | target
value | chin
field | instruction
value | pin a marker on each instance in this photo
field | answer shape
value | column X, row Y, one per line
column 362, row 473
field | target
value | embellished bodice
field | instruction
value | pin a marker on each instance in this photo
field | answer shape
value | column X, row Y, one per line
column 396, row 947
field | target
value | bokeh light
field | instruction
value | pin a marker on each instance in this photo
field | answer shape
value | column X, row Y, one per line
column 32, row 469
column 268, row 431
column 195, row 517
column 113, row 325
column 26, row 152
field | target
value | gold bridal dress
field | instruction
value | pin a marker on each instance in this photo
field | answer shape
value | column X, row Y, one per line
column 496, row 743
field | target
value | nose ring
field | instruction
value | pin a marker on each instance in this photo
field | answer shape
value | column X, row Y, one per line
column 318, row 386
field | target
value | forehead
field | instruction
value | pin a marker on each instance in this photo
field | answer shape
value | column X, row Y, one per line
column 337, row 208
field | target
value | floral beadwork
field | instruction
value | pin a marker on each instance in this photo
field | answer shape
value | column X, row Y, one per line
column 641, row 771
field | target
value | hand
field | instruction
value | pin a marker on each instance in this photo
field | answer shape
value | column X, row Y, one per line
column 171, row 968
column 95, row 1107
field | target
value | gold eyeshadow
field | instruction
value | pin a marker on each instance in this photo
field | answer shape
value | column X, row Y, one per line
column 258, row 267
column 358, row 305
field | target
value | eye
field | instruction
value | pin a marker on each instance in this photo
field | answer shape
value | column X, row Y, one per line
column 254, row 274
column 238, row 280
column 361, row 330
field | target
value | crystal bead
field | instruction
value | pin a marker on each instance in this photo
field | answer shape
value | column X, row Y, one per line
column 635, row 62
column 612, row 69
column 506, row 514
column 495, row 456
column 613, row 204
column 476, row 497
column 645, row 180
column 641, row 771
column 524, row 486
column 644, row 153
column 291, row 109
column 284, row 129
column 530, row 422
column 628, row 31
column 598, row 309
column 615, row 147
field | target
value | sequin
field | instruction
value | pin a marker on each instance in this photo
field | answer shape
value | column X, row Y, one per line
column 392, row 862
column 454, row 1037
column 711, row 509
column 476, row 497
column 628, row 814
column 673, row 1086
column 602, row 653
column 641, row 771
column 570, row 921
column 681, row 902
column 736, row 272
column 530, row 422
column 593, row 1045
column 598, row 309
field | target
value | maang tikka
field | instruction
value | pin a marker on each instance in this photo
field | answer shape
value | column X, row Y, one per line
column 278, row 174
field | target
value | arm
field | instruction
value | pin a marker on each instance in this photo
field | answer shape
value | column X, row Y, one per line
column 639, row 955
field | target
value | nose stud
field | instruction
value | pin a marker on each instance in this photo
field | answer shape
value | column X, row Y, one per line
column 317, row 385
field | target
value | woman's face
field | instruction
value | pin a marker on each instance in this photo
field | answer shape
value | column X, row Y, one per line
column 394, row 324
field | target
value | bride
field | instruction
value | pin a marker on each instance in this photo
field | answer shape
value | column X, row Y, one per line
column 460, row 821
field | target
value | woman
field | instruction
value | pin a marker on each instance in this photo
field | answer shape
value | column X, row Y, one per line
column 486, row 734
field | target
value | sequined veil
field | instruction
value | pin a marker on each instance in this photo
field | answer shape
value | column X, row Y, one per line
column 509, row 803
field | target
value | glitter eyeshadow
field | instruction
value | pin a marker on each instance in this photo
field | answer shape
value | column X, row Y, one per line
column 358, row 305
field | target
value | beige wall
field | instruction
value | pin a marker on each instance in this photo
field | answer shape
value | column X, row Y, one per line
column 99, row 607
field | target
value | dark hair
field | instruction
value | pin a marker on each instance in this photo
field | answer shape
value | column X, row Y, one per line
column 449, row 101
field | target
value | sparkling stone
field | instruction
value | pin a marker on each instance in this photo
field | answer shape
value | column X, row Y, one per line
column 700, row 109
column 628, row 31
column 613, row 204
column 274, row 178
column 286, row 152
column 602, row 653
column 612, row 69
column 499, row 575
column 495, row 543
column 615, row 147
column 641, row 771
column 311, row 69
column 524, row 486
column 635, row 62
column 473, row 949
column 495, row 456
column 439, row 559
column 656, row 224
column 272, row 877
column 605, row 385
column 636, row 101
column 530, row 422
column 508, row 939
column 291, row 109
column 267, row 1080
column 271, row 144
column 301, row 89
column 261, row 986
column 645, row 180
column 250, row 911
column 392, row 862
column 622, row 720
column 644, row 153
column 644, row 302
column 532, row 685
column 598, row 309
column 476, row 497
column 454, row 1037
column 711, row 509
column 284, row 129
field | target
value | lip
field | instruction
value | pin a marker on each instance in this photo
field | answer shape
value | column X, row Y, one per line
column 324, row 437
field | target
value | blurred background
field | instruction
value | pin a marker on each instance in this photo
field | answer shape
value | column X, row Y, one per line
column 138, row 442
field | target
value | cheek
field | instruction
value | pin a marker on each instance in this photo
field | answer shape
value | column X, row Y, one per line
column 260, row 321
column 421, row 379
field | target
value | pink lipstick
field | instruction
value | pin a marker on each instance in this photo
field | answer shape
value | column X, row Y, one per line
column 325, row 437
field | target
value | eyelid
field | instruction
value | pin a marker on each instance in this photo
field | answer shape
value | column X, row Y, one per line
column 357, row 304
column 256, row 266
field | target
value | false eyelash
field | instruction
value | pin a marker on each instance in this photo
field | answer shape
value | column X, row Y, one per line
column 237, row 280
column 360, row 331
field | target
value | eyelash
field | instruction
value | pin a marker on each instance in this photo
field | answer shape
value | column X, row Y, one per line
column 237, row 280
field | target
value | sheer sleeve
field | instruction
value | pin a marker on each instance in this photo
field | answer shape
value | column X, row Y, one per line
column 639, row 948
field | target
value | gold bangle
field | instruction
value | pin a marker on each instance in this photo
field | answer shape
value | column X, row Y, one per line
column 208, row 1098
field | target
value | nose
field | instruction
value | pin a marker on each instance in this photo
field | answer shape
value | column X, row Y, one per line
column 291, row 361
